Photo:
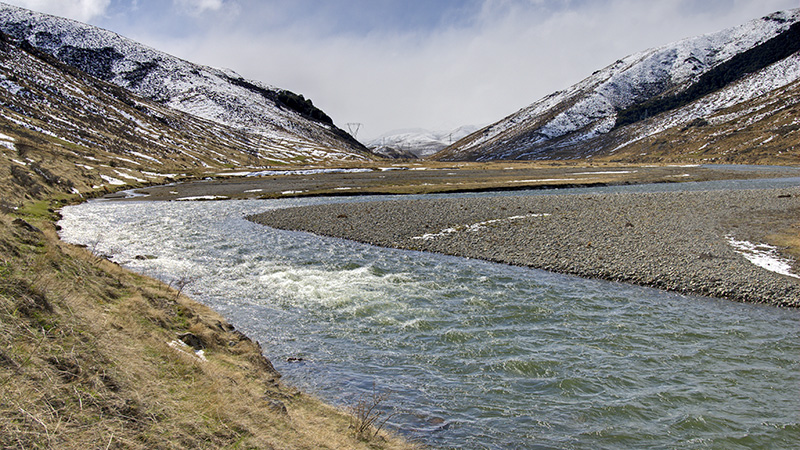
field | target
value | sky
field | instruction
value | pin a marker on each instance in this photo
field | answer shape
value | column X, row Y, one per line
column 399, row 64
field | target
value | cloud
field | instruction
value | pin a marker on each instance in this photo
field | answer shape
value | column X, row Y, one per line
column 393, row 64
column 81, row 10
column 507, row 55
column 197, row 7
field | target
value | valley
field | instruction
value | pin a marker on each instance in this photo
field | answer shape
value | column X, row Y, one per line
column 654, row 171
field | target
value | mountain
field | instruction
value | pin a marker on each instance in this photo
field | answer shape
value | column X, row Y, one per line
column 278, row 124
column 64, row 131
column 417, row 141
column 730, row 96
column 393, row 152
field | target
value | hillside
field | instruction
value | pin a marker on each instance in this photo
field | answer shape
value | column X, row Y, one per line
column 65, row 132
column 95, row 356
column 253, row 117
column 729, row 96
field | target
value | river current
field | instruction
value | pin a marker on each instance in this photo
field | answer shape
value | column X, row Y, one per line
column 472, row 354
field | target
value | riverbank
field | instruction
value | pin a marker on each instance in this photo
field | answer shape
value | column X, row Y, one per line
column 95, row 356
column 679, row 241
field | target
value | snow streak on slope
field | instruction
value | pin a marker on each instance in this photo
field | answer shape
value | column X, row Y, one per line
column 590, row 109
column 752, row 87
column 72, row 133
column 222, row 96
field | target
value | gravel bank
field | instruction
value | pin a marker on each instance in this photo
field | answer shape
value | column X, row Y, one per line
column 673, row 241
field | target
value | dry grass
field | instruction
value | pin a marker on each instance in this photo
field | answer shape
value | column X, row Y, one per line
column 86, row 362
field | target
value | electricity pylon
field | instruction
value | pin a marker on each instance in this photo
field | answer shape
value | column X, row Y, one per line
column 353, row 127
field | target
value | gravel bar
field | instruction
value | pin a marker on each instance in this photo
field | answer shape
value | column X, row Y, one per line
column 677, row 241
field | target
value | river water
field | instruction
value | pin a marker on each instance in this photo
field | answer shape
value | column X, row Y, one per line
column 471, row 354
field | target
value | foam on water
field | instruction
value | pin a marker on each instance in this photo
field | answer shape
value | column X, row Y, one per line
column 474, row 354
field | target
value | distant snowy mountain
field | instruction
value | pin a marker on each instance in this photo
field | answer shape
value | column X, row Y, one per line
column 393, row 152
column 419, row 142
column 700, row 84
column 290, row 127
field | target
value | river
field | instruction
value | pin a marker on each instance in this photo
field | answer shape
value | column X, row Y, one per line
column 472, row 354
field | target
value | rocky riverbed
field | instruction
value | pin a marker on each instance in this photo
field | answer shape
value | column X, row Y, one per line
column 678, row 241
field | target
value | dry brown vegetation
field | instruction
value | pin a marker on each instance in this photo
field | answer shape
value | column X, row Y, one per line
column 90, row 354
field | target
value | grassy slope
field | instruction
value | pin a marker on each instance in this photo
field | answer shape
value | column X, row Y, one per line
column 86, row 361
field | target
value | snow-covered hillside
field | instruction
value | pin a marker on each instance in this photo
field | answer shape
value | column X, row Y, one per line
column 666, row 87
column 65, row 132
column 420, row 142
column 275, row 116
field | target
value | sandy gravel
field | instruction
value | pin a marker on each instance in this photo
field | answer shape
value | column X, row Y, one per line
column 674, row 241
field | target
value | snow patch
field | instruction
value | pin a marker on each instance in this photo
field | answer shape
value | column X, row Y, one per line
column 235, row 174
column 543, row 180
column 7, row 142
column 130, row 177
column 181, row 347
column 128, row 160
column 147, row 157
column 202, row 197
column 270, row 173
column 610, row 172
column 112, row 180
column 159, row 175
column 763, row 255
column 475, row 226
